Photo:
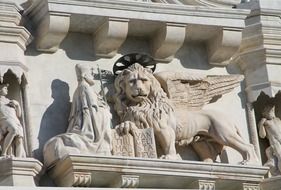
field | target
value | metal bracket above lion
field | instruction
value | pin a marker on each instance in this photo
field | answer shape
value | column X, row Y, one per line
column 129, row 59
column 141, row 102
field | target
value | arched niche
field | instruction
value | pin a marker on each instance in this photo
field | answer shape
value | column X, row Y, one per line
column 259, row 105
column 17, row 91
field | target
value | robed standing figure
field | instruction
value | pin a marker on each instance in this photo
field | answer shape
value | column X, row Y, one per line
column 89, row 129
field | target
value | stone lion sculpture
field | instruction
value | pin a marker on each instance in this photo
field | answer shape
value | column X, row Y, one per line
column 141, row 102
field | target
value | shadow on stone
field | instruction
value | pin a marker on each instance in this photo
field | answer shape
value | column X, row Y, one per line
column 55, row 118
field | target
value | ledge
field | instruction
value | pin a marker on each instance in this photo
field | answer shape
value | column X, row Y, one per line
column 101, row 171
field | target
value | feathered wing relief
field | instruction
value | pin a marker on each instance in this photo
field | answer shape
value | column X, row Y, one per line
column 193, row 91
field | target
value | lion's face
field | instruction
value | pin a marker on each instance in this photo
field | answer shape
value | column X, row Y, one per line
column 137, row 86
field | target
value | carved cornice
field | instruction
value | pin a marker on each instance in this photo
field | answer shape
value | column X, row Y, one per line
column 111, row 22
column 128, row 9
column 208, row 3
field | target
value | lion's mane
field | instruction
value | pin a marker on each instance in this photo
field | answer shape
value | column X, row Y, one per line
column 155, row 106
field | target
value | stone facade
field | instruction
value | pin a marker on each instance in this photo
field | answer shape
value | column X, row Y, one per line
column 222, row 55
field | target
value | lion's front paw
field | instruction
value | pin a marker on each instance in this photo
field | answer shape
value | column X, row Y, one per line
column 125, row 127
column 171, row 157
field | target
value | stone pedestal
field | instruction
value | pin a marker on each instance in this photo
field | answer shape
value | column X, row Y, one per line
column 100, row 171
column 19, row 171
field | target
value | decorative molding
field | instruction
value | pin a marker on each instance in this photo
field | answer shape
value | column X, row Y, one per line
column 9, row 14
column 132, row 9
column 144, row 11
column 52, row 19
column 15, row 34
column 208, row 3
column 250, row 186
column 167, row 41
column 129, row 181
column 206, row 185
column 82, row 179
column 224, row 45
column 110, row 36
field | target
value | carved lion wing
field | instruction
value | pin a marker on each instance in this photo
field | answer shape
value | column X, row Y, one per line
column 193, row 91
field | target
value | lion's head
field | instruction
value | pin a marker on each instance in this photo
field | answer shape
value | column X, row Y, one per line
column 137, row 87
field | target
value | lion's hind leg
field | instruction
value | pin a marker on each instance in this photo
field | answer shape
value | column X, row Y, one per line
column 245, row 149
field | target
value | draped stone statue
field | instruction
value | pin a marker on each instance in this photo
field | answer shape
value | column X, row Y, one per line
column 89, row 129
column 270, row 127
column 11, row 130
